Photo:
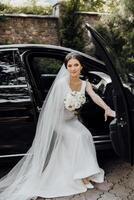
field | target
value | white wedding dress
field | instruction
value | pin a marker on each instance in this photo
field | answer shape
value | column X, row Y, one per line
column 72, row 157
column 73, row 160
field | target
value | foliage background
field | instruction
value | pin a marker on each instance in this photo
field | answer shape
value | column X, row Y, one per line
column 118, row 29
column 71, row 32
column 30, row 9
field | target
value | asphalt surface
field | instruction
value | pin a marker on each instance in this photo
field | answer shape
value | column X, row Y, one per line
column 118, row 185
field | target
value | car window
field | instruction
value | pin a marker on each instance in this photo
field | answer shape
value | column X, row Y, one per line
column 97, row 49
column 13, row 84
column 11, row 70
column 45, row 69
column 47, row 65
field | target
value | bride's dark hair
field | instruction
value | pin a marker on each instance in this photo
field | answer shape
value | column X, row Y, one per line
column 75, row 56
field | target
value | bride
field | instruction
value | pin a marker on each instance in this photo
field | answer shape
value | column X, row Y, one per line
column 62, row 159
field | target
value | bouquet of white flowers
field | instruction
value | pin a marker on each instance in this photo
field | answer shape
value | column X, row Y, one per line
column 74, row 100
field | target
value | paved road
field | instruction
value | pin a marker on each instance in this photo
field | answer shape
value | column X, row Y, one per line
column 119, row 183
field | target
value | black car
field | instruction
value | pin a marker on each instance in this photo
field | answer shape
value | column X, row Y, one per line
column 26, row 74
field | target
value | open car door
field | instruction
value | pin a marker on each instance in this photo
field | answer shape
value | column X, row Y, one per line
column 121, row 128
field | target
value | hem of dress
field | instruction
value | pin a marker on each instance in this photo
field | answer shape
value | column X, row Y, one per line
column 60, row 195
column 97, row 177
column 73, row 193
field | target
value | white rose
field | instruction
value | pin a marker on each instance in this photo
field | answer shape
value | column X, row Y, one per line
column 83, row 100
column 77, row 105
column 70, row 108
column 74, row 100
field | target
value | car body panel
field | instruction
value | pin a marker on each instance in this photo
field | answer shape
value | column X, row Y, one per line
column 16, row 109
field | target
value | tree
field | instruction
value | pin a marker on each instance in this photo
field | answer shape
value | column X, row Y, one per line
column 128, row 33
column 30, row 8
column 118, row 29
column 71, row 25
column 92, row 5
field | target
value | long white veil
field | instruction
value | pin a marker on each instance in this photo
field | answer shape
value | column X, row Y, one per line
column 22, row 180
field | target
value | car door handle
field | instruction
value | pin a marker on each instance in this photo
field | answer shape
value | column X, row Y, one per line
column 38, row 109
column 121, row 122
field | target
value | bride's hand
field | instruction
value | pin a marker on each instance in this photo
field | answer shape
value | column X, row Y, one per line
column 109, row 112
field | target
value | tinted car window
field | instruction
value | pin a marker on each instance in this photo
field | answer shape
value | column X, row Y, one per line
column 11, row 71
column 13, row 84
column 126, row 73
column 45, row 69
column 47, row 65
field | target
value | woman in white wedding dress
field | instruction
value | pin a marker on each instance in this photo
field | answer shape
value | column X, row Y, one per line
column 62, row 159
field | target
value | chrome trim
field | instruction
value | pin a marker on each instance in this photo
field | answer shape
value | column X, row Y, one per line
column 13, row 86
column 101, row 136
column 103, row 141
column 8, row 49
column 13, row 155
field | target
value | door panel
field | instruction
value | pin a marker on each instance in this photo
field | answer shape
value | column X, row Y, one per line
column 17, row 125
column 121, row 129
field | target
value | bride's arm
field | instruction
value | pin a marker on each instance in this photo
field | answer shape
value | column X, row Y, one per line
column 99, row 101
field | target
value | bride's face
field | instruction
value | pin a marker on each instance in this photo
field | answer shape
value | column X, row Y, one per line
column 74, row 67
